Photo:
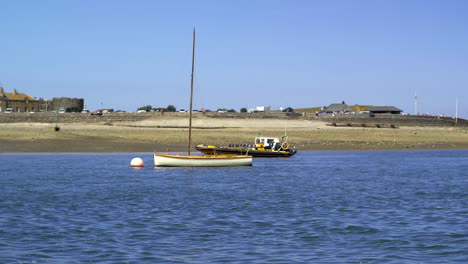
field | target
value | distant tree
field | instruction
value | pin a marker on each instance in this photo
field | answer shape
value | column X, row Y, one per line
column 226, row 110
column 288, row 109
column 243, row 110
column 343, row 102
column 171, row 108
column 147, row 108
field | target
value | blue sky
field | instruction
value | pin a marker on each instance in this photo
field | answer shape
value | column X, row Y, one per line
column 127, row 54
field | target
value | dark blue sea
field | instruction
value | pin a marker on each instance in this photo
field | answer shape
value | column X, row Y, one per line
column 315, row 207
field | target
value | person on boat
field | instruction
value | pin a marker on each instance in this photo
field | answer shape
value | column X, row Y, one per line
column 260, row 146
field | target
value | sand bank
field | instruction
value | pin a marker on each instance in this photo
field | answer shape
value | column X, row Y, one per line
column 148, row 136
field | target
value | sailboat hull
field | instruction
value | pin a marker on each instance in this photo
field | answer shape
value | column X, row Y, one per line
column 171, row 160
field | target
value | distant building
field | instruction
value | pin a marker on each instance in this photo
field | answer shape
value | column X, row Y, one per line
column 69, row 104
column 260, row 109
column 338, row 108
column 18, row 102
column 384, row 110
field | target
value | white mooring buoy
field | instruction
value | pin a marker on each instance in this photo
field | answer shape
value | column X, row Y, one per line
column 137, row 163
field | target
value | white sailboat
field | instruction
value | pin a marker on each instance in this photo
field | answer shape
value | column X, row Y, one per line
column 174, row 160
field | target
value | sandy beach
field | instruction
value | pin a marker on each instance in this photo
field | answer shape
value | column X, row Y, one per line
column 172, row 134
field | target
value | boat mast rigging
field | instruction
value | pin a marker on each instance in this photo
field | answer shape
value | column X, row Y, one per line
column 191, row 94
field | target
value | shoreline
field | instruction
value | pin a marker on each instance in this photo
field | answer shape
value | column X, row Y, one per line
column 150, row 136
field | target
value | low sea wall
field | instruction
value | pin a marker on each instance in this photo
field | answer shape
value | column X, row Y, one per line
column 52, row 117
column 396, row 120
column 344, row 119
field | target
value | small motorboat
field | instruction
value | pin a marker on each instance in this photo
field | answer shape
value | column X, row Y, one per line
column 263, row 147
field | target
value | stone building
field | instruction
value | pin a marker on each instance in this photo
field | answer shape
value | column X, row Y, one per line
column 68, row 104
column 18, row 102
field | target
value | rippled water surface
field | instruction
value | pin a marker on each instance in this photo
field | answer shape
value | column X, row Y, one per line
column 369, row 207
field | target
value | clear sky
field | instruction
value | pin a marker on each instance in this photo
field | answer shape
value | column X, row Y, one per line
column 297, row 53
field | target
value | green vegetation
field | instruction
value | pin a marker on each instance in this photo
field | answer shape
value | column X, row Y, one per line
column 226, row 110
column 308, row 110
column 171, row 108
column 147, row 108
column 288, row 109
column 360, row 108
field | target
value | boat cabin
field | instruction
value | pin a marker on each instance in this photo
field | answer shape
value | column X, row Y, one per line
column 268, row 143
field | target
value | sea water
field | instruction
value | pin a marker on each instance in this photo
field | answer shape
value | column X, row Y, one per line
column 337, row 206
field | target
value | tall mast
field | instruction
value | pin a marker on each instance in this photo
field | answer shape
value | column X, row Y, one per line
column 191, row 93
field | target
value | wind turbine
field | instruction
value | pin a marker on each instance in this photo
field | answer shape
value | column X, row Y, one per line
column 415, row 104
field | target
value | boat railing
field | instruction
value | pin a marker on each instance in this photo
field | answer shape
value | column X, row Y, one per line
column 241, row 145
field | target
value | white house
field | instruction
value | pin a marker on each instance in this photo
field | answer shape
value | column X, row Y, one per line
column 260, row 109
